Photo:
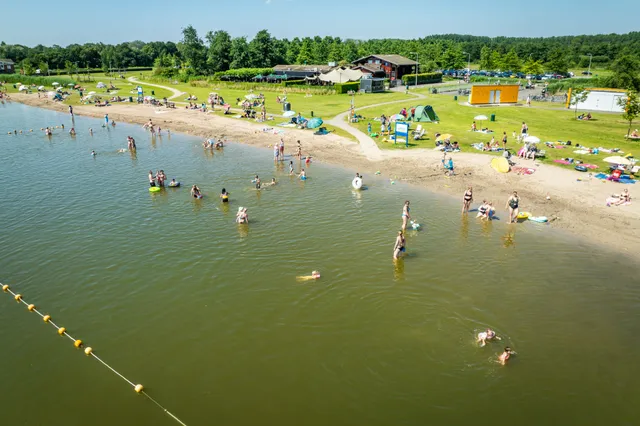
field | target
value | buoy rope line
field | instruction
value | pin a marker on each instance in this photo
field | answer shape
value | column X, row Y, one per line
column 87, row 350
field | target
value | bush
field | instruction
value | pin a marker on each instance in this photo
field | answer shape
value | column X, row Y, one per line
column 576, row 83
column 38, row 81
column 426, row 78
column 100, row 70
column 260, row 87
column 345, row 87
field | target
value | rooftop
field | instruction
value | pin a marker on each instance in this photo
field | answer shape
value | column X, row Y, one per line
column 392, row 59
column 318, row 68
column 6, row 61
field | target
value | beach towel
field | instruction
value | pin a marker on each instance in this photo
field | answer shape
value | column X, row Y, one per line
column 523, row 170
column 565, row 162
column 590, row 166
column 602, row 176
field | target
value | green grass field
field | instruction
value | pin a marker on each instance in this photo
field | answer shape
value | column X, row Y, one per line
column 549, row 124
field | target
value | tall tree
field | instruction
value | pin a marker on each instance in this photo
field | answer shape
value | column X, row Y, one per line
column 533, row 67
column 631, row 108
column 485, row 59
column 219, row 52
column 293, row 50
column 240, row 57
column 558, row 61
column 511, row 61
column 261, row 50
column 193, row 50
column 626, row 73
column 305, row 55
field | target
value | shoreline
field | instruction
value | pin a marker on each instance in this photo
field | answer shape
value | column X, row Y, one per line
column 574, row 206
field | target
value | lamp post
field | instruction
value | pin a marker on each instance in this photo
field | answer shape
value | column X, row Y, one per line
column 590, row 58
column 468, row 63
column 417, row 65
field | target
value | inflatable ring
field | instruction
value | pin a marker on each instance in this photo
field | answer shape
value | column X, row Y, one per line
column 155, row 189
column 581, row 168
column 524, row 215
column 357, row 183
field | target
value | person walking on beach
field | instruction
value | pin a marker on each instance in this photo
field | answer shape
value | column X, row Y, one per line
column 467, row 199
column 405, row 215
column 512, row 204
column 399, row 246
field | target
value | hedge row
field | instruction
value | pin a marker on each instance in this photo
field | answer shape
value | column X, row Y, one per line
column 241, row 74
column 37, row 80
column 426, row 78
column 287, row 83
column 345, row 87
column 100, row 70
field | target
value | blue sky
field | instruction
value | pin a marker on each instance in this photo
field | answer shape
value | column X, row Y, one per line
column 148, row 20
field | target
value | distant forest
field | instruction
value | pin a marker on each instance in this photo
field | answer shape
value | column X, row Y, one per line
column 218, row 51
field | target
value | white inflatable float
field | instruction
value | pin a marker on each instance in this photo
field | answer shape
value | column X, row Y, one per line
column 357, row 183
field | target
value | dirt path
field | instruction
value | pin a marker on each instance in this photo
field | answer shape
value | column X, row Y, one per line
column 175, row 92
column 368, row 146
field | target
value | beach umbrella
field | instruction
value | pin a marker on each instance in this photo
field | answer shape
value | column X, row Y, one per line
column 55, row 83
column 618, row 160
column 397, row 117
column 22, row 88
column 40, row 87
column 289, row 114
column 480, row 117
column 532, row 139
column 314, row 123
column 444, row 137
column 251, row 96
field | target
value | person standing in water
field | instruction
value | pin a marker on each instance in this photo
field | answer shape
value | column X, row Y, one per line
column 276, row 153
column 405, row 215
column 71, row 110
column 303, row 175
column 106, row 119
column 291, row 172
column 152, row 179
column 399, row 246
column 195, row 192
column 467, row 199
column 281, row 147
column 224, row 196
column 512, row 204
column 299, row 152
column 257, row 182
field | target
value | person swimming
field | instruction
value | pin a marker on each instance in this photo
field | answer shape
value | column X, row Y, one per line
column 195, row 192
column 272, row 183
column 505, row 356
column 93, row 153
column 173, row 183
column 488, row 334
column 314, row 276
column 224, row 196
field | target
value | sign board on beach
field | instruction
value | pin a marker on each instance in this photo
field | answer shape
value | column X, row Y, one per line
column 402, row 131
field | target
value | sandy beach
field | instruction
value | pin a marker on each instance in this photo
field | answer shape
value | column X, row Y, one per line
column 577, row 206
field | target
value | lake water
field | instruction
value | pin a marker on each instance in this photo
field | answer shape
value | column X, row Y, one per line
column 208, row 314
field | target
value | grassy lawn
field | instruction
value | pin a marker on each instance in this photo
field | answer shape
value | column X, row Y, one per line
column 605, row 130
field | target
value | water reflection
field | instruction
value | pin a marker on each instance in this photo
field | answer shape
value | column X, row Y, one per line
column 464, row 228
column 398, row 269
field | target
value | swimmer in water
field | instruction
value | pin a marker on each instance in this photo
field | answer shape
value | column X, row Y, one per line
column 307, row 160
column 486, row 335
column 90, row 131
column 257, row 182
column 505, row 356
column 174, row 183
column 93, row 153
column 72, row 132
column 224, row 196
column 195, row 192
column 399, row 246
column 272, row 183
column 314, row 276
column 405, row 215
column 242, row 216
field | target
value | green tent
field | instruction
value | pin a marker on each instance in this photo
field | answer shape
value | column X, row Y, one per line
column 425, row 114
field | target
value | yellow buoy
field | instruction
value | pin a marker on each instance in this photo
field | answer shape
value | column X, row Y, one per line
column 88, row 351
column 77, row 343
column 5, row 288
column 31, row 307
column 18, row 297
column 138, row 388
column 46, row 318
column 61, row 330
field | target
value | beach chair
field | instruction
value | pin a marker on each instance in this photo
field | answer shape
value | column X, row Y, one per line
column 418, row 132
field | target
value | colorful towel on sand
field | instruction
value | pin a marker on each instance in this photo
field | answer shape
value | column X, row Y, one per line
column 590, row 166
column 523, row 170
column 601, row 176
column 565, row 162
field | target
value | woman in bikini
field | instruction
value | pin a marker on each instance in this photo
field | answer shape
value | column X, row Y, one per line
column 399, row 246
column 467, row 199
column 405, row 215
column 512, row 204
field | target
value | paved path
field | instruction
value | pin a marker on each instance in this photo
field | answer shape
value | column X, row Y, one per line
column 175, row 92
column 368, row 146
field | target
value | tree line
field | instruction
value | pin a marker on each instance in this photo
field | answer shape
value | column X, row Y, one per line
column 218, row 51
